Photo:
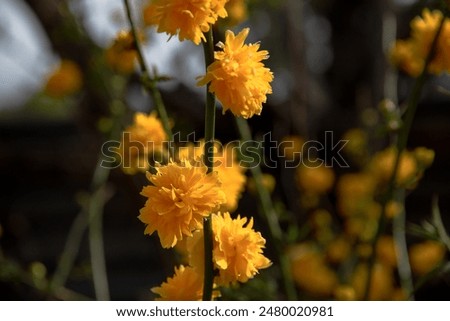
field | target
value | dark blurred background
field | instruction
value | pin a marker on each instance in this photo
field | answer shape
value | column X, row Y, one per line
column 331, row 71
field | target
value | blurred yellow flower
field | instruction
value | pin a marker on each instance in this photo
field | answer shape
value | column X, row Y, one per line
column 139, row 140
column 238, row 77
column 321, row 218
column 181, row 195
column 355, row 193
column 65, row 80
column 268, row 181
column 356, row 146
column 122, row 54
column 187, row 18
column 382, row 166
column 291, row 147
column 237, row 11
column 386, row 251
column 403, row 57
column 410, row 54
column 310, row 272
column 361, row 227
column 424, row 156
column 185, row 285
column 381, row 283
column 426, row 256
column 393, row 209
column 237, row 249
column 345, row 293
column 315, row 180
column 338, row 250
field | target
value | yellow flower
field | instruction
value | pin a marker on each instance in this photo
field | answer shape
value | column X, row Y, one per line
column 344, row 293
column 315, row 180
column 237, row 11
column 410, row 54
column 185, row 285
column 355, row 193
column 393, row 208
column 144, row 136
column 230, row 173
column 232, row 176
column 402, row 56
column 238, row 77
column 187, row 18
column 181, row 195
column 356, row 144
column 425, row 256
column 424, row 31
column 310, row 272
column 122, row 54
column 237, row 249
column 268, row 181
column 65, row 80
column 338, row 250
column 381, row 283
column 382, row 166
column 424, row 156
column 386, row 251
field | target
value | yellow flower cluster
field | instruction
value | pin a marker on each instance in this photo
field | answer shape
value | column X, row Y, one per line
column 187, row 18
column 237, row 256
column 145, row 136
column 184, row 192
column 316, row 262
column 410, row 54
column 237, row 77
column 65, row 80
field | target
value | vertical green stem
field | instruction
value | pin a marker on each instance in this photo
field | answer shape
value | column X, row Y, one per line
column 208, row 159
column 403, row 135
column 149, row 83
column 95, row 213
column 96, row 246
column 401, row 249
column 70, row 251
column 269, row 216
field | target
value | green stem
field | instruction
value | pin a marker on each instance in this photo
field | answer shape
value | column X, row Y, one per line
column 96, row 246
column 70, row 251
column 147, row 81
column 269, row 216
column 208, row 159
column 402, row 140
column 90, row 216
column 401, row 249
